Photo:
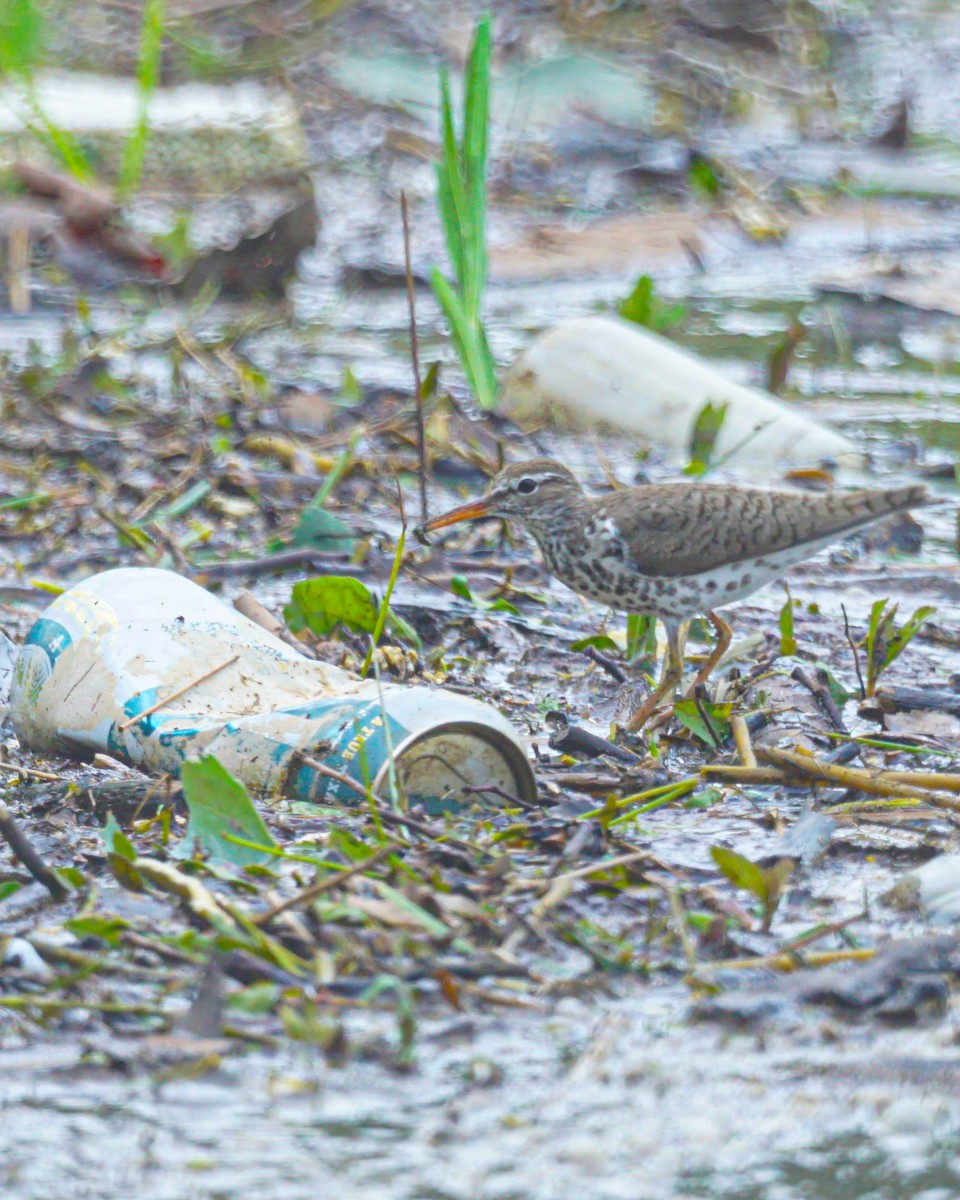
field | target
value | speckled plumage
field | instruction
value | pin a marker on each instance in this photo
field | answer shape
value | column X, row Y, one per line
column 672, row 550
column 675, row 549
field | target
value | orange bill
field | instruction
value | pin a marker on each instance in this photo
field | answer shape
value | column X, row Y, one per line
column 466, row 512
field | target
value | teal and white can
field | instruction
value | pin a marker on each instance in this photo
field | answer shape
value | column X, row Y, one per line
column 208, row 680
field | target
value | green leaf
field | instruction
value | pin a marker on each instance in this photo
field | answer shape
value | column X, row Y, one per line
column 433, row 925
column 639, row 304
column 461, row 198
column 322, row 530
column 641, row 636
column 108, row 929
column 220, row 808
column 837, row 690
column 885, row 642
column 741, row 872
column 322, row 604
column 599, row 641
column 8, row 887
column 703, row 176
column 351, row 392
column 430, row 382
column 460, row 587
column 705, row 798
column 383, row 613
column 689, row 715
column 22, row 37
column 256, row 999
column 703, row 438
column 764, row 883
column 116, row 841
column 788, row 643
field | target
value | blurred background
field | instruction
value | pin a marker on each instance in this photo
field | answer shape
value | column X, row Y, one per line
column 775, row 167
column 205, row 364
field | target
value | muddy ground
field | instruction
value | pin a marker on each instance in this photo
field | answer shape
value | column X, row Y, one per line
column 485, row 1010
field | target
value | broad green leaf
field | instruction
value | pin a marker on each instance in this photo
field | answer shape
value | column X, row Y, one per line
column 741, row 872
column 765, row 883
column 322, row 604
column 116, row 840
column 885, row 642
column 322, row 530
column 108, row 929
column 599, row 641
column 460, row 587
column 219, row 809
column 689, row 715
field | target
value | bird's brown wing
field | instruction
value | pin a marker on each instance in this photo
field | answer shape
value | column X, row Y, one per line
column 685, row 529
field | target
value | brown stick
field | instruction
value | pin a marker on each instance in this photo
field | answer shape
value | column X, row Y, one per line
column 5, row 766
column 820, row 691
column 323, row 885
column 787, row 960
column 415, row 358
column 940, row 780
column 250, row 606
column 147, row 712
column 912, row 699
column 384, row 811
column 852, row 777
column 23, row 850
column 607, row 864
column 854, row 651
column 741, row 739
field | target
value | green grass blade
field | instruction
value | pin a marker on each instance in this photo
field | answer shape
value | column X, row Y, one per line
column 474, row 159
column 148, row 76
column 456, row 218
column 59, row 142
column 470, row 342
column 384, row 610
column 21, row 37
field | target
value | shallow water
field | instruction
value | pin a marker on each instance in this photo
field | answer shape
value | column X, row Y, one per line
column 617, row 1095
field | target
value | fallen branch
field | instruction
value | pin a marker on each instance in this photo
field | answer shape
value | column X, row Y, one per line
column 23, row 850
column 326, row 884
column 741, row 739
column 877, row 783
column 851, row 777
column 607, row 864
column 908, row 699
column 384, row 811
column 47, row 775
column 789, row 960
column 820, row 690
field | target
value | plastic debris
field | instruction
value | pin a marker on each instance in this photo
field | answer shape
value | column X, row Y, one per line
column 149, row 667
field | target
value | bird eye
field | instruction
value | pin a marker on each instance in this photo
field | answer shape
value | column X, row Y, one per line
column 526, row 486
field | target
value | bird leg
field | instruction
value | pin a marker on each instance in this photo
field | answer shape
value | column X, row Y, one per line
column 671, row 675
column 724, row 637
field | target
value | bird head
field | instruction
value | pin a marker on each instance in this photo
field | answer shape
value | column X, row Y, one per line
column 529, row 492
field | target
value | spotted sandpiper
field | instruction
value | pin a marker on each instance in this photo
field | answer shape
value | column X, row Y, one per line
column 672, row 550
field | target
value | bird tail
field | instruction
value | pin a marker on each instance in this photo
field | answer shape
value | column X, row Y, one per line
column 894, row 500
column 863, row 508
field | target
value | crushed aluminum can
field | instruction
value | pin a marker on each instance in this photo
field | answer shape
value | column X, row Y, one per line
column 120, row 642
